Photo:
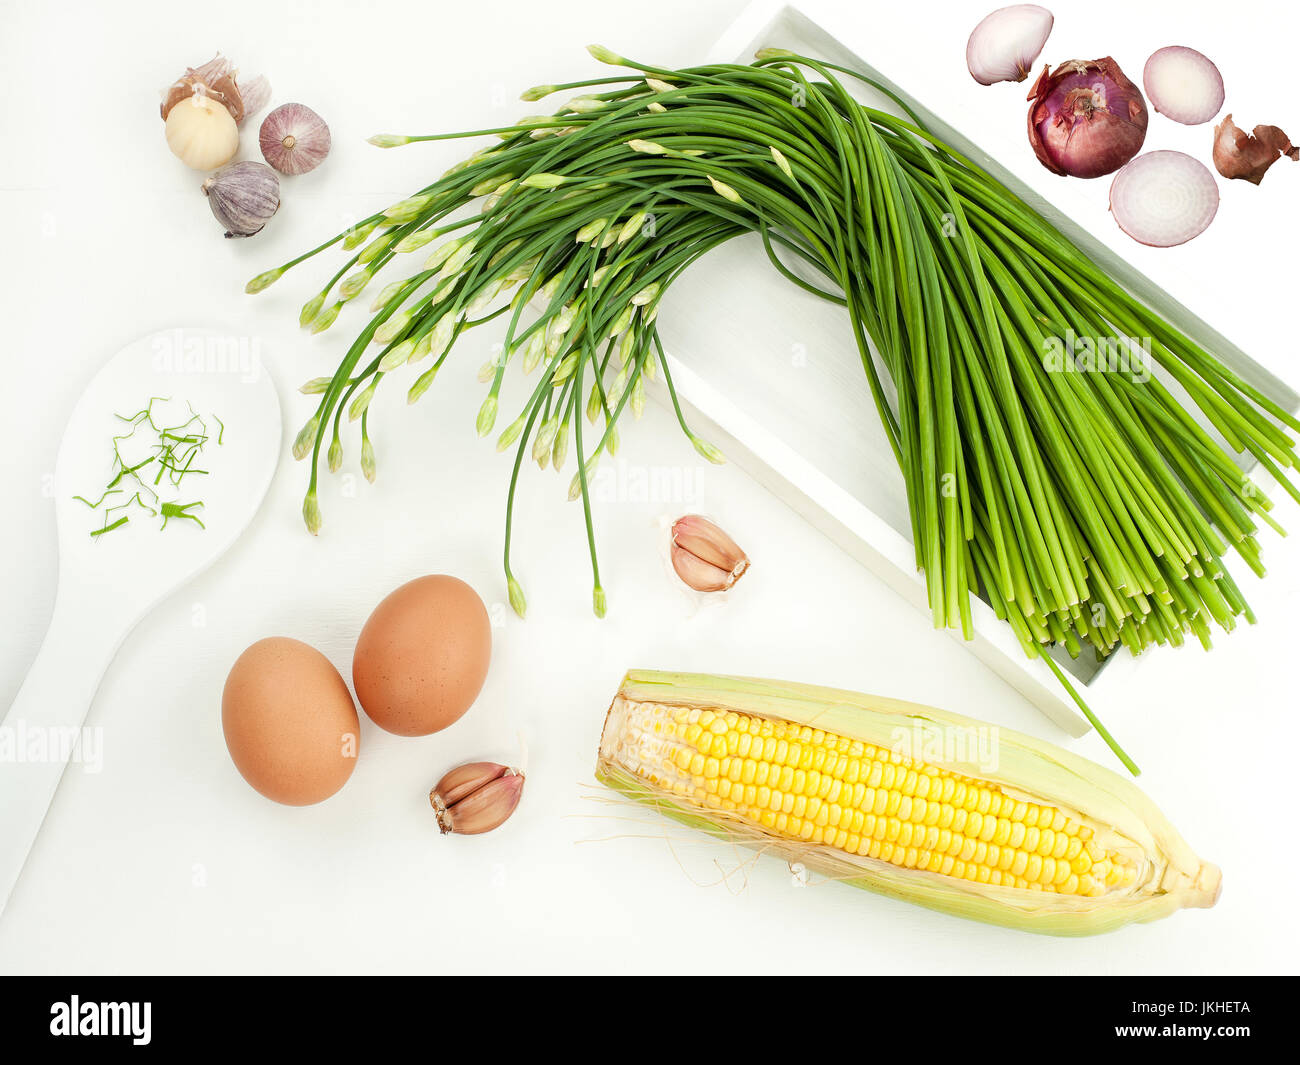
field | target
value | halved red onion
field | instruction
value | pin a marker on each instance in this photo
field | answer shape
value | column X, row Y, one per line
column 1005, row 44
column 1183, row 84
column 1164, row 198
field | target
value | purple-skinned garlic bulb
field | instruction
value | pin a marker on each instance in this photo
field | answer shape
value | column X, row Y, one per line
column 294, row 139
column 243, row 197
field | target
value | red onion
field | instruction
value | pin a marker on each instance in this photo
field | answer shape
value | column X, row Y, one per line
column 1086, row 119
column 1183, row 84
column 1164, row 198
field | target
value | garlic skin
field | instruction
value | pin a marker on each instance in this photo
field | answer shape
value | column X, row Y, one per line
column 476, row 798
column 218, row 79
column 294, row 139
column 201, row 133
column 243, row 197
column 1005, row 44
column 705, row 557
column 256, row 93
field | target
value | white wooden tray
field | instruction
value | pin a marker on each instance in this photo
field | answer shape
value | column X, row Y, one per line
column 772, row 375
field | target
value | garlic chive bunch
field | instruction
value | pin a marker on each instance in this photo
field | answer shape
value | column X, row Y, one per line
column 575, row 264
column 1090, row 509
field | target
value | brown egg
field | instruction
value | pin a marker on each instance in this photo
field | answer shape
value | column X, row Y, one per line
column 422, row 656
column 290, row 723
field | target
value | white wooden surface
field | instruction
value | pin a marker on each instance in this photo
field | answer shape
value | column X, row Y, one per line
column 166, row 860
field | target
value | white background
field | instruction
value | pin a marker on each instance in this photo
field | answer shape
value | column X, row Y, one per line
column 166, row 860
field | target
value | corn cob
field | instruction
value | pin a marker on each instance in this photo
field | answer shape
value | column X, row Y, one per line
column 905, row 800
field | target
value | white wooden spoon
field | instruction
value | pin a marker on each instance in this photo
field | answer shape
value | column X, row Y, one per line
column 109, row 582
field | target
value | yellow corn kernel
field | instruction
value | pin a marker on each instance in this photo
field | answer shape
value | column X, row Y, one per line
column 1033, row 868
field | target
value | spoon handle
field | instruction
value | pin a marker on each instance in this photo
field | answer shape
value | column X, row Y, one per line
column 44, row 728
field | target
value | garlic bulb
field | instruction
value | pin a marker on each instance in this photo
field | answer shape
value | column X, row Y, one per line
column 1005, row 44
column 294, row 139
column 201, row 132
column 243, row 197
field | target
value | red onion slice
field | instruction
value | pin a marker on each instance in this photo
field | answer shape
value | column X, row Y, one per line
column 1183, row 84
column 1164, row 198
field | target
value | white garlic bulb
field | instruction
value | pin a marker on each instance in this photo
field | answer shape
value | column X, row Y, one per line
column 202, row 133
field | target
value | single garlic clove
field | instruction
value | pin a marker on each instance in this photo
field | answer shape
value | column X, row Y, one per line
column 294, row 139
column 704, row 556
column 1005, row 44
column 201, row 133
column 476, row 798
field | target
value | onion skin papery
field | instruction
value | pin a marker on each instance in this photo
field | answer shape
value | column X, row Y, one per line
column 1238, row 154
column 1086, row 119
column 1163, row 199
